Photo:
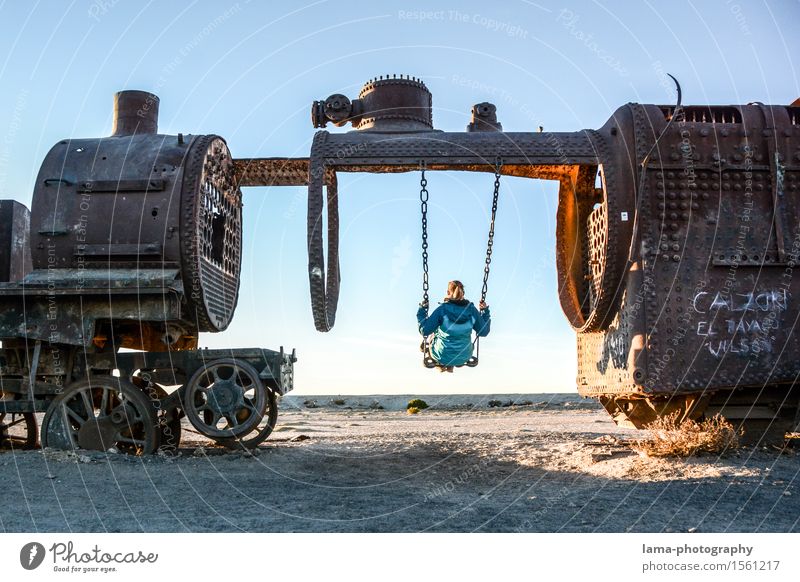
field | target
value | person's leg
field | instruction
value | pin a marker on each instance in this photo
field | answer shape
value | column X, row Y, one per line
column 439, row 367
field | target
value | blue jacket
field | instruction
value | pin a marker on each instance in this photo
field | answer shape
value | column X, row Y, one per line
column 452, row 324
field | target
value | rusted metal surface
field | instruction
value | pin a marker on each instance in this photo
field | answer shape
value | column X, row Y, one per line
column 484, row 118
column 140, row 201
column 15, row 253
column 135, row 113
column 271, row 171
column 384, row 104
column 707, row 304
column 135, row 242
column 677, row 233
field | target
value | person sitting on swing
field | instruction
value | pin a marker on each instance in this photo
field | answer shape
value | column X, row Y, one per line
column 451, row 325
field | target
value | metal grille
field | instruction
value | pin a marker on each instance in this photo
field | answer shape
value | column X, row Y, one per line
column 221, row 233
column 701, row 114
column 215, row 220
column 598, row 228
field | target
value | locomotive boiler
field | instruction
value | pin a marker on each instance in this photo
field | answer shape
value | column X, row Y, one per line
column 131, row 249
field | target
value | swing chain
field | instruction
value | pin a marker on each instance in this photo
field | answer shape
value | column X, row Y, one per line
column 497, row 166
column 423, row 199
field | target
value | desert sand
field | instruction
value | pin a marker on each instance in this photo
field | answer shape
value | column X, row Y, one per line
column 509, row 463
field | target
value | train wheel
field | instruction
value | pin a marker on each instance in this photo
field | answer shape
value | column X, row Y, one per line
column 225, row 399
column 168, row 419
column 11, row 427
column 262, row 431
column 103, row 413
column 169, row 422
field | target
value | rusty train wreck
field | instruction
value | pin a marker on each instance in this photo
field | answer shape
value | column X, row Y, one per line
column 678, row 232
column 134, row 241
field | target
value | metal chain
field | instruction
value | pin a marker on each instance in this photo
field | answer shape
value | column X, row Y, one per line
column 423, row 199
column 485, row 288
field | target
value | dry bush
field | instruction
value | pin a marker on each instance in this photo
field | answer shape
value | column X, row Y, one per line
column 670, row 438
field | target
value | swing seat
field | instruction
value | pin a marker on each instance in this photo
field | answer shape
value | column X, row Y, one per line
column 429, row 362
column 427, row 359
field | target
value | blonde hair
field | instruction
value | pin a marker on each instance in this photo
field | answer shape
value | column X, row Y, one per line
column 455, row 291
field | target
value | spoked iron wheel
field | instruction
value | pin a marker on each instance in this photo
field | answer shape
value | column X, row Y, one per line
column 18, row 431
column 168, row 419
column 103, row 413
column 169, row 423
column 225, row 399
column 261, row 432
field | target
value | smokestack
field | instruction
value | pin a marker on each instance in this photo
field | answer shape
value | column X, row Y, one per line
column 135, row 112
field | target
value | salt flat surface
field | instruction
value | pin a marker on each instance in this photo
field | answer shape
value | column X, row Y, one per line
column 562, row 466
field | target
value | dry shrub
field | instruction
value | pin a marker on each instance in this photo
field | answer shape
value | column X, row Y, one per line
column 671, row 438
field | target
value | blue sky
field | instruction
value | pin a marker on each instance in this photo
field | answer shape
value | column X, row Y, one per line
column 249, row 72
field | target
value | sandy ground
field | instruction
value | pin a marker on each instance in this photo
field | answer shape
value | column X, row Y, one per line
column 552, row 464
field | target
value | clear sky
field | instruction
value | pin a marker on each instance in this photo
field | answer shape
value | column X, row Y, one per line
column 249, row 71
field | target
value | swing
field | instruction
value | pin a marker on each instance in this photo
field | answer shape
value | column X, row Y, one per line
column 425, row 347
